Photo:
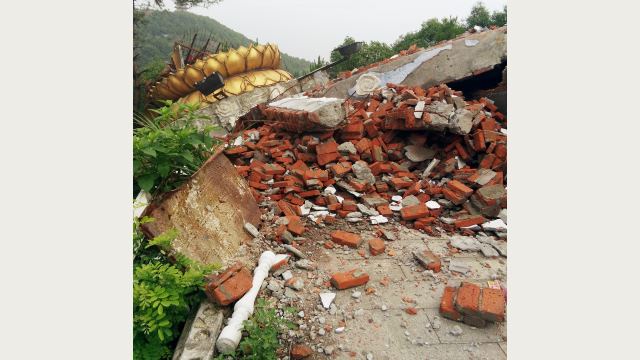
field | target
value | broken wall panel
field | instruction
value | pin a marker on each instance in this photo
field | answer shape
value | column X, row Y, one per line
column 452, row 60
column 209, row 211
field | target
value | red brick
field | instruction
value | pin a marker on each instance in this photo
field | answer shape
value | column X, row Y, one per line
column 363, row 145
column 414, row 212
column 492, row 304
column 447, row 308
column 399, row 183
column 296, row 227
column 468, row 299
column 328, row 147
column 370, row 127
column 324, row 159
column 231, row 289
column 349, row 205
column 310, row 193
column 279, row 264
column 478, row 141
column 274, row 169
column 411, row 310
column 333, row 207
column 376, row 246
column 453, row 196
column 381, row 187
column 300, row 351
column 469, row 221
column 349, row 279
column 501, row 151
column 258, row 185
column 384, row 210
column 459, row 188
column 339, row 169
column 487, row 161
column 236, row 150
column 346, row 238
column 429, row 260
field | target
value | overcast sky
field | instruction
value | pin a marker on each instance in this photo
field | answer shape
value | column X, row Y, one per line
column 307, row 29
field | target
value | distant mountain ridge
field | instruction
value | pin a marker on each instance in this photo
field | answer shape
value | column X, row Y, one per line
column 162, row 28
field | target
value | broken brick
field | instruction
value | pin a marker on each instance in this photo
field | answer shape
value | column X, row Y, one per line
column 346, row 238
column 376, row 246
column 349, row 279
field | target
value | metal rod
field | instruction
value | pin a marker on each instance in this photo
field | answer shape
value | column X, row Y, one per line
column 191, row 46
column 322, row 68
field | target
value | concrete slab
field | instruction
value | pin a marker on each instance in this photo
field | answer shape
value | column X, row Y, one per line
column 453, row 61
column 503, row 346
column 386, row 335
column 481, row 268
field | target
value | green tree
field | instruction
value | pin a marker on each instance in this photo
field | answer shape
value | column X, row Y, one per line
column 499, row 18
column 316, row 64
column 479, row 16
column 369, row 53
column 431, row 32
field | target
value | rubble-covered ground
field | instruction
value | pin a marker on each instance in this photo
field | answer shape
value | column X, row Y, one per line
column 416, row 169
column 372, row 319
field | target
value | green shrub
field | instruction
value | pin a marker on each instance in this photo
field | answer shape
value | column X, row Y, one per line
column 261, row 339
column 164, row 293
column 169, row 148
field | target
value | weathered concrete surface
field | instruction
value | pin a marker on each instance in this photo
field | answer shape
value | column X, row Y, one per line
column 200, row 333
column 458, row 62
column 330, row 112
column 209, row 211
column 225, row 112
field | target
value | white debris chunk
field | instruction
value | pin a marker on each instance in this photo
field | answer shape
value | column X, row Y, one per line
column 327, row 299
column 494, row 225
column 380, row 219
column 432, row 205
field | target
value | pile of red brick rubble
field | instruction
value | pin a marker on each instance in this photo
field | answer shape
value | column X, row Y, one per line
column 425, row 157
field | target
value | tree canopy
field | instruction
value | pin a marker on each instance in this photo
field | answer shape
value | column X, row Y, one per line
column 430, row 33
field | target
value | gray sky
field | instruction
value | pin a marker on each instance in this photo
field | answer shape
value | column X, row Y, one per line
column 307, row 29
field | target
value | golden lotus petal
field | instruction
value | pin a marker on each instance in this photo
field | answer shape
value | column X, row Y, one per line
column 192, row 75
column 212, row 65
column 267, row 57
column 235, row 63
column 198, row 64
column 242, row 51
column 222, row 59
column 276, row 58
column 254, row 59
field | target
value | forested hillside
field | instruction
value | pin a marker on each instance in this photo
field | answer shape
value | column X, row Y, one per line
column 162, row 28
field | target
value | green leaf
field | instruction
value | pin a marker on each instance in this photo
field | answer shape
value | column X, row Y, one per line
column 149, row 151
column 164, row 168
column 194, row 140
column 146, row 182
column 187, row 156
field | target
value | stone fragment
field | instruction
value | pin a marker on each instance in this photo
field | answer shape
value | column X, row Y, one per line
column 251, row 229
column 347, row 148
column 361, row 171
column 465, row 243
column 200, row 334
column 418, row 153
